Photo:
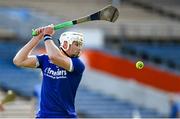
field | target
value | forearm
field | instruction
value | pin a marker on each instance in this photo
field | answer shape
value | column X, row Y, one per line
column 51, row 49
column 56, row 56
column 54, row 53
column 26, row 50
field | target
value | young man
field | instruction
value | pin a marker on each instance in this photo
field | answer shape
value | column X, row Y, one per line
column 61, row 68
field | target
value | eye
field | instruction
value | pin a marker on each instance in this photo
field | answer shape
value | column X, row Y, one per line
column 76, row 43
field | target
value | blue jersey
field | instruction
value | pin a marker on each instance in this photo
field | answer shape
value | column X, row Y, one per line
column 59, row 88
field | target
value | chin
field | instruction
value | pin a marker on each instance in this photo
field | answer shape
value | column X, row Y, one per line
column 75, row 56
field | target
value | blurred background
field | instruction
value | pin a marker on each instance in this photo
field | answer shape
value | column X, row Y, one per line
column 147, row 30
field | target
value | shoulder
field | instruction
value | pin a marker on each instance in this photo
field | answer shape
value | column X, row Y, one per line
column 77, row 61
column 42, row 56
column 78, row 65
column 41, row 59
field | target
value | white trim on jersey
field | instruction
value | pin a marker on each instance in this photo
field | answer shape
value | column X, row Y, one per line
column 37, row 62
column 71, row 65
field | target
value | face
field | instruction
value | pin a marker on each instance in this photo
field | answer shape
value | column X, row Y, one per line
column 75, row 49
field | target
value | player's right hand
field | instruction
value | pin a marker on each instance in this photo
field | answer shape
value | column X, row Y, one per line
column 49, row 30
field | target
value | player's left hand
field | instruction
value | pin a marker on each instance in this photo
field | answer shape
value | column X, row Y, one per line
column 40, row 35
column 49, row 30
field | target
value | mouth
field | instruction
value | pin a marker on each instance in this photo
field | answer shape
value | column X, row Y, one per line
column 78, row 52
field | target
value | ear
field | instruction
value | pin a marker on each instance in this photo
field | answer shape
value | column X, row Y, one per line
column 65, row 45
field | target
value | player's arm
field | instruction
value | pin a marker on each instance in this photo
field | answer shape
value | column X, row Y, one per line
column 56, row 57
column 23, row 57
column 54, row 53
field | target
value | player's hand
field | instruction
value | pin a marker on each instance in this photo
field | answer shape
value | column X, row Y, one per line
column 39, row 31
column 49, row 30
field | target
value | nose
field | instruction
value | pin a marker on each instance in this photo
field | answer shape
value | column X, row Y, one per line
column 79, row 48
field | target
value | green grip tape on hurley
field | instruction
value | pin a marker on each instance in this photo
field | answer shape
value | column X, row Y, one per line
column 63, row 25
column 34, row 33
column 56, row 27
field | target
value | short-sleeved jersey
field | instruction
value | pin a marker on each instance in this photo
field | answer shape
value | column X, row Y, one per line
column 59, row 88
